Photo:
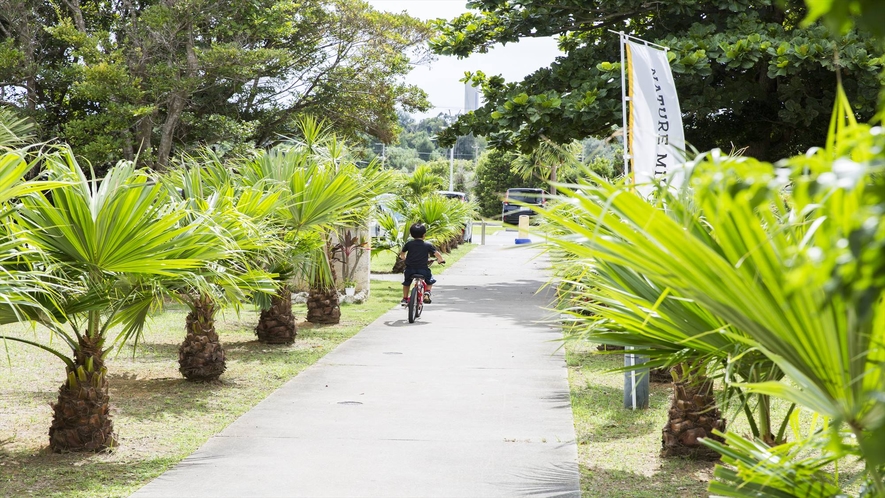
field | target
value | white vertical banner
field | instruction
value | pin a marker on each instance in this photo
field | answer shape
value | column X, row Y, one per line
column 655, row 135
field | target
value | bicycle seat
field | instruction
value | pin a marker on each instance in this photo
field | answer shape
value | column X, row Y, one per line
column 417, row 275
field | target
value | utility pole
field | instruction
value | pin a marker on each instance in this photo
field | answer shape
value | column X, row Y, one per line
column 452, row 167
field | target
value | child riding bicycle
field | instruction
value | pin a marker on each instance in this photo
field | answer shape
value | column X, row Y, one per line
column 417, row 252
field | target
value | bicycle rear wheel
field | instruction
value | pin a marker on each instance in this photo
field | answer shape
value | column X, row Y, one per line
column 419, row 306
column 413, row 304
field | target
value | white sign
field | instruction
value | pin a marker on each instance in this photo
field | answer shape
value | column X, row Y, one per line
column 657, row 142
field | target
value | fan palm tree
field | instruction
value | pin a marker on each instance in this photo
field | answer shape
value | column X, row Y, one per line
column 113, row 244
column 615, row 305
column 323, row 199
column 549, row 162
column 14, row 131
column 211, row 192
column 23, row 290
column 820, row 311
column 421, row 183
column 395, row 235
column 269, row 172
column 322, row 191
column 792, row 258
column 444, row 218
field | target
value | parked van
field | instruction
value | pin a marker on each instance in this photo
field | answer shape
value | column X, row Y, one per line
column 511, row 211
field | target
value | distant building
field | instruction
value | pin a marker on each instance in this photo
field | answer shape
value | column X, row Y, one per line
column 471, row 97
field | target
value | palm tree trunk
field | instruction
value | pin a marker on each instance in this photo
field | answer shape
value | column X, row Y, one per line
column 609, row 347
column 323, row 306
column 322, row 302
column 201, row 356
column 693, row 415
column 763, row 417
column 660, row 375
column 81, row 419
column 276, row 325
column 399, row 266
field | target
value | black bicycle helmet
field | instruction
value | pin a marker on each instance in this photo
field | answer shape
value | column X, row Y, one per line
column 417, row 230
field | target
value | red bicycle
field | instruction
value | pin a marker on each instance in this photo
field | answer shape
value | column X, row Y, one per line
column 416, row 296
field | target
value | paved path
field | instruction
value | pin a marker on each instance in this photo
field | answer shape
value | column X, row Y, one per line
column 471, row 400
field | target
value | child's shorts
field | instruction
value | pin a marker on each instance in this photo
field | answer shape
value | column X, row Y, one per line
column 424, row 272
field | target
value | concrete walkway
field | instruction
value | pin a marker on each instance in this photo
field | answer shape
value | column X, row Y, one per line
column 471, row 400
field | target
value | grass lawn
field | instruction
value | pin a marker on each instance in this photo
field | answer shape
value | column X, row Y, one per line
column 494, row 226
column 382, row 262
column 159, row 417
column 618, row 448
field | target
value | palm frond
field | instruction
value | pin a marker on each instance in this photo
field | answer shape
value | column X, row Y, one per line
column 14, row 130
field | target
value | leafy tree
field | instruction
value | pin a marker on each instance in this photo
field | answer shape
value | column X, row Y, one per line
column 419, row 141
column 148, row 79
column 494, row 175
column 434, row 125
column 470, row 147
column 421, row 137
column 748, row 72
column 402, row 159
column 603, row 157
column 464, row 173
column 841, row 16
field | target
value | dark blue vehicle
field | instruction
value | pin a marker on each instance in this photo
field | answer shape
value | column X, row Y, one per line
column 512, row 211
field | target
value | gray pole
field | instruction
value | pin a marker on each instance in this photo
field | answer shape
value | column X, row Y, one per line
column 452, row 168
column 624, row 109
column 635, row 383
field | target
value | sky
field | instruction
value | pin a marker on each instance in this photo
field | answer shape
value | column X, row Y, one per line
column 440, row 77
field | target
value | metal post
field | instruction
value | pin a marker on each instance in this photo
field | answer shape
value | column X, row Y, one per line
column 452, row 167
column 635, row 383
column 483, row 239
column 624, row 109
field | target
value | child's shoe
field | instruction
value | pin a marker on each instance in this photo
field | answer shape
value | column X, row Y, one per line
column 404, row 302
column 426, row 298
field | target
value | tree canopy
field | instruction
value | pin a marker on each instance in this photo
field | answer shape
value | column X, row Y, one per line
column 749, row 72
column 417, row 144
column 146, row 78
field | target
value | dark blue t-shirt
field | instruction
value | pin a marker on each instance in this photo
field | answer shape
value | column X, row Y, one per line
column 418, row 251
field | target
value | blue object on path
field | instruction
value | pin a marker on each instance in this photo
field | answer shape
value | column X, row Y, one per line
column 523, row 241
